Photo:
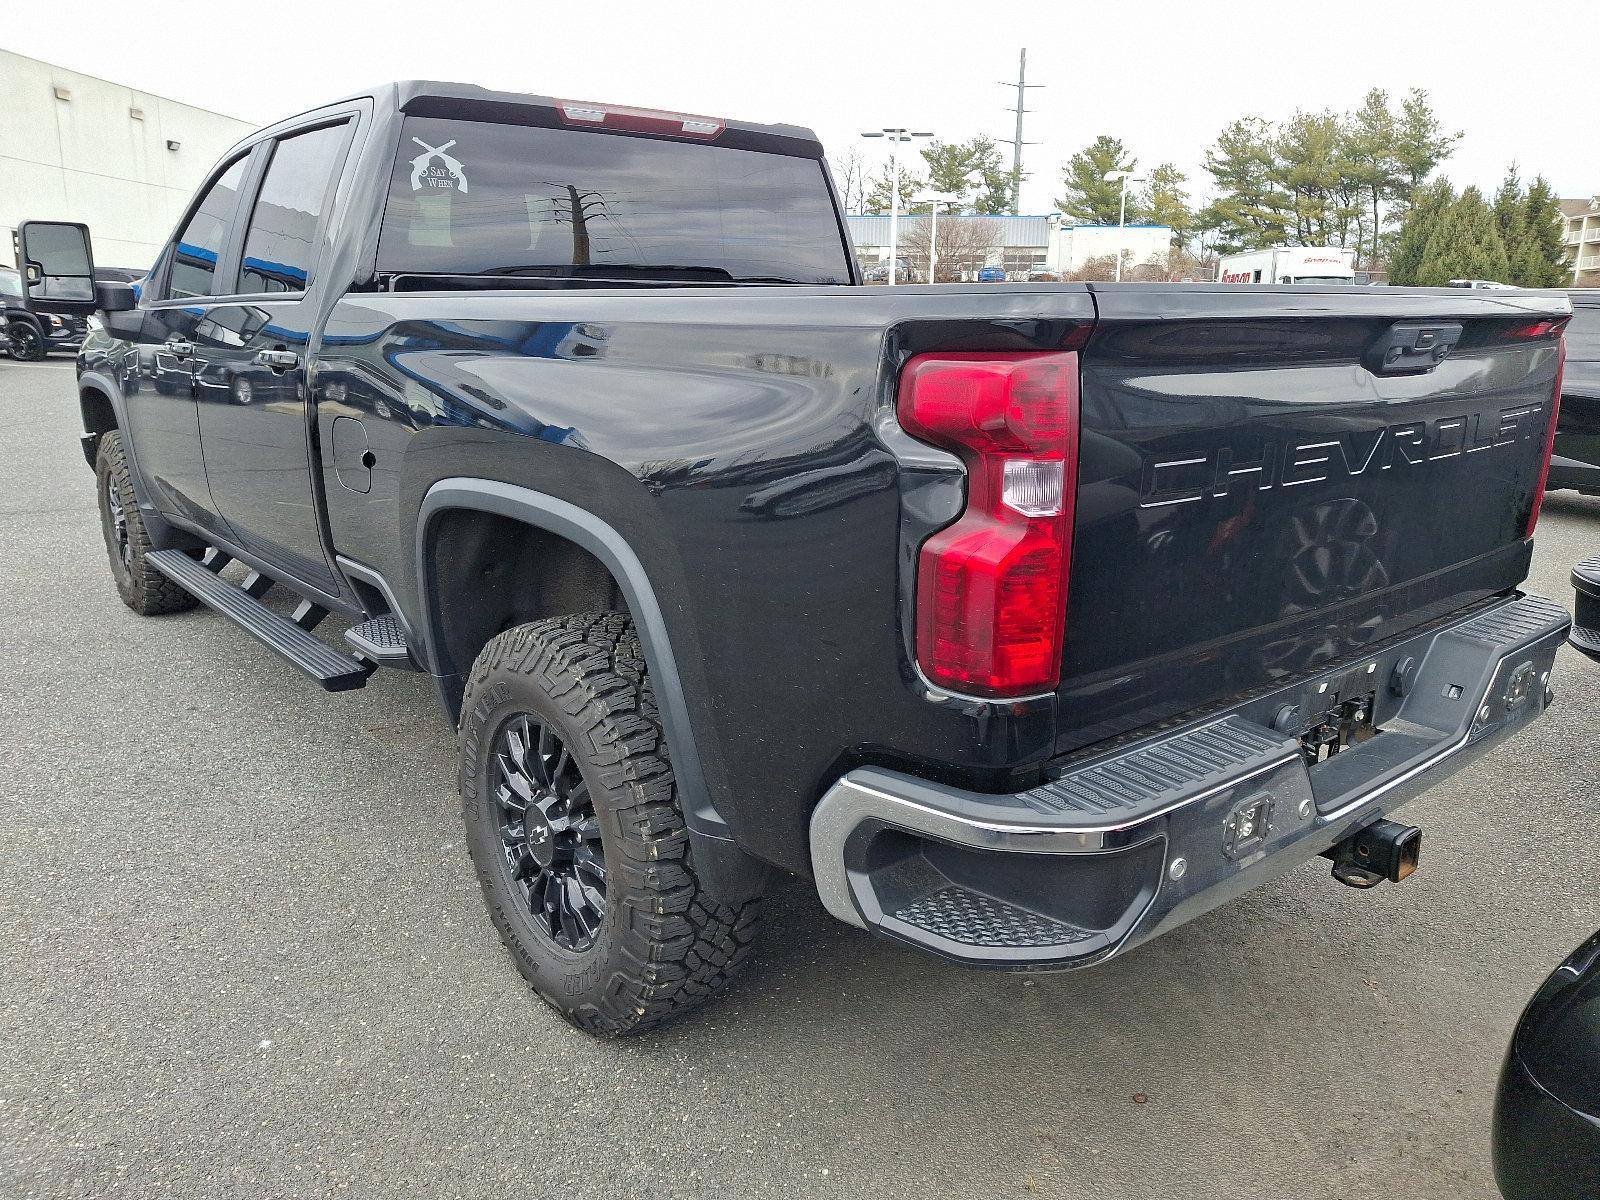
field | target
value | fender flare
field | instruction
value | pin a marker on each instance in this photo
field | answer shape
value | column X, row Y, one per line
column 162, row 535
column 724, row 869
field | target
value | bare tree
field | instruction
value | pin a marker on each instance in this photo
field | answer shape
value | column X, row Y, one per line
column 965, row 244
column 850, row 178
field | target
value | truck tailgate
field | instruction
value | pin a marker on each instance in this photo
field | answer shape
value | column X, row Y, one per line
column 1260, row 494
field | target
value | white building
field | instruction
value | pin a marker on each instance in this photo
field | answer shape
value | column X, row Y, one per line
column 77, row 148
column 1580, row 236
column 1071, row 246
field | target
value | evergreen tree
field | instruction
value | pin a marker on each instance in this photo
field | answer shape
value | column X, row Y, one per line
column 1430, row 204
column 951, row 166
column 1543, row 263
column 1421, row 143
column 1090, row 197
column 1466, row 244
column 1250, row 211
column 1165, row 201
column 1308, row 165
column 880, row 187
column 1371, row 168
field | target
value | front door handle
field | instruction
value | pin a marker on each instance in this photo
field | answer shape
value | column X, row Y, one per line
column 278, row 360
column 179, row 348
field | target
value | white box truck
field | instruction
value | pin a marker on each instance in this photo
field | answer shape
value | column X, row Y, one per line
column 1289, row 264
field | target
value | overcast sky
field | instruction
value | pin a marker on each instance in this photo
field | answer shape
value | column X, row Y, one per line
column 1165, row 77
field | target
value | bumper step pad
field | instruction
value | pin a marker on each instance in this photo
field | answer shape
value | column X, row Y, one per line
column 334, row 671
column 382, row 640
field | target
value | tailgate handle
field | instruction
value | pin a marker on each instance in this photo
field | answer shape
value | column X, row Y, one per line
column 1412, row 347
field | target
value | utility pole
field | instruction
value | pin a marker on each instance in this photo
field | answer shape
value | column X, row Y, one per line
column 1022, row 85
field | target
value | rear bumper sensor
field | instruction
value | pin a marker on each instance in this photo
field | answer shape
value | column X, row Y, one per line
column 1120, row 847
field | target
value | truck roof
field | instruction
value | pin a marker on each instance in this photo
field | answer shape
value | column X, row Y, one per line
column 470, row 102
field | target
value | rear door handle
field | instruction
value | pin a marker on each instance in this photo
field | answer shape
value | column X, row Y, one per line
column 278, row 360
column 179, row 348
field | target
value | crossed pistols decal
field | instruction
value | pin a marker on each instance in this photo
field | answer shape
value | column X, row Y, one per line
column 446, row 173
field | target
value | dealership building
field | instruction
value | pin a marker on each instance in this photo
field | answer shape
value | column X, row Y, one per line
column 1020, row 244
column 123, row 162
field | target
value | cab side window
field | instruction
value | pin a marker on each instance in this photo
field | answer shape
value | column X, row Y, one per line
column 194, row 259
column 280, row 247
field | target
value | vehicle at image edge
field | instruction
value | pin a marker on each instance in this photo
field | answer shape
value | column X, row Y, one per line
column 1027, row 621
column 31, row 336
column 1289, row 264
column 1547, row 1109
column 1576, row 463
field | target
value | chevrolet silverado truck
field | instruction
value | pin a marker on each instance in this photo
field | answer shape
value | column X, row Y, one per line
column 1027, row 621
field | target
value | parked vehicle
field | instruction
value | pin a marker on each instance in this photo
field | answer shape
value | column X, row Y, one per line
column 32, row 336
column 904, row 273
column 1043, row 275
column 1027, row 622
column 1289, row 264
column 1577, row 452
column 991, row 274
column 1547, row 1111
column 1487, row 285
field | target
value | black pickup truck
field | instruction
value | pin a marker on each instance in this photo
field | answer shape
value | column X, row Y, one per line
column 1027, row 620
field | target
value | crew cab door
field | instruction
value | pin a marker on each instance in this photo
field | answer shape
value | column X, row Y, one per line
column 158, row 376
column 253, row 354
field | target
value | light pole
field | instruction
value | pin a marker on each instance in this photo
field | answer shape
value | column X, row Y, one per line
column 933, row 200
column 896, row 135
column 1127, row 177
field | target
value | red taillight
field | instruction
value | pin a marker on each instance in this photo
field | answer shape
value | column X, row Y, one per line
column 992, row 587
column 1550, row 438
column 639, row 120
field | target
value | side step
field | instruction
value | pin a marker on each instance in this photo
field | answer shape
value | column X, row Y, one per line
column 336, row 672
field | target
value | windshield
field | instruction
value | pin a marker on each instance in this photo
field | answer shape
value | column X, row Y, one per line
column 1324, row 279
column 472, row 198
column 11, row 284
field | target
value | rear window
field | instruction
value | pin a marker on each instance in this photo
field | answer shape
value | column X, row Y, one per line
column 1583, row 333
column 470, row 198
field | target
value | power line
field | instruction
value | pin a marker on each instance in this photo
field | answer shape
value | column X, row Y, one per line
column 1022, row 85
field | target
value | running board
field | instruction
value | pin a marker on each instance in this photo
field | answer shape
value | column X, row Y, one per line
column 334, row 671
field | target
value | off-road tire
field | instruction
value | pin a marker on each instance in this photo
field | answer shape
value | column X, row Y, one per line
column 142, row 588
column 662, row 945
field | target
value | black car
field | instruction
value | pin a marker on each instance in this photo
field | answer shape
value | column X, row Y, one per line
column 1547, row 1112
column 30, row 335
column 1576, row 463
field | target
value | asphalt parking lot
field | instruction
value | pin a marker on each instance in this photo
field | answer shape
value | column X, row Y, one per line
column 244, row 955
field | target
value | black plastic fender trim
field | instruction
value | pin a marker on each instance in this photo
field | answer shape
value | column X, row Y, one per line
column 727, row 871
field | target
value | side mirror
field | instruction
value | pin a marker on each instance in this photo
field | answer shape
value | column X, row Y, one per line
column 57, row 267
column 1586, row 612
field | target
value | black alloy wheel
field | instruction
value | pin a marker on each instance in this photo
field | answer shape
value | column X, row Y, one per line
column 549, row 832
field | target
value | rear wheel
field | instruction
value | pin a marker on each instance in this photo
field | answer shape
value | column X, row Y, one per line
column 27, row 344
column 142, row 588
column 576, row 831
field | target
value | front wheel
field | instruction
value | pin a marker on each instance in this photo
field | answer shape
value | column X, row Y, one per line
column 577, row 834
column 27, row 343
column 142, row 588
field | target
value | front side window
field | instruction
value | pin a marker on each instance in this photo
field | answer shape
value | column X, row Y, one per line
column 280, row 247
column 11, row 285
column 194, row 261
column 472, row 198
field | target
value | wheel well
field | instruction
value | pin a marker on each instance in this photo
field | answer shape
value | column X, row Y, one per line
column 490, row 573
column 99, row 418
